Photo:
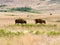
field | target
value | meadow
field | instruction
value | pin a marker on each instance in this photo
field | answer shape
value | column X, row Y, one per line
column 30, row 33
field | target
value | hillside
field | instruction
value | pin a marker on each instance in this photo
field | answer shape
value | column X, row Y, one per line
column 44, row 6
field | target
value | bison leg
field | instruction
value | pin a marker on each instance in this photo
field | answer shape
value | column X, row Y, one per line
column 35, row 22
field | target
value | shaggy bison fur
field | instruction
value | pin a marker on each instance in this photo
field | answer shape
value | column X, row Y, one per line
column 40, row 21
column 20, row 21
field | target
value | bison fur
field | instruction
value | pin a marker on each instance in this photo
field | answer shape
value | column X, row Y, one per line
column 40, row 21
column 20, row 21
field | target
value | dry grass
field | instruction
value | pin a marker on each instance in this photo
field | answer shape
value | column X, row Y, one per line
column 7, row 23
column 29, row 39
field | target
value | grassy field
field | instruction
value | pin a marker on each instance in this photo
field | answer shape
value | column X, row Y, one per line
column 30, row 33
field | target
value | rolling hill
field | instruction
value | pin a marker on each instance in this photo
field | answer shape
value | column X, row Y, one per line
column 49, row 6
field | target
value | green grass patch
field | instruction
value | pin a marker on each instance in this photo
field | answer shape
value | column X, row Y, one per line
column 36, row 32
column 32, row 25
column 27, row 25
column 58, row 21
column 53, row 33
column 36, row 25
column 4, row 33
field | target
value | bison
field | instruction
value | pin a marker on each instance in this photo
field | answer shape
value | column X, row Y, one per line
column 40, row 21
column 50, row 13
column 20, row 21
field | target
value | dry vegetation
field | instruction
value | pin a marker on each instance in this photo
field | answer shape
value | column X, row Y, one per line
column 30, row 33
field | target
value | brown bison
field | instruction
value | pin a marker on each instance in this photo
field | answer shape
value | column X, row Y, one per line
column 40, row 21
column 50, row 13
column 20, row 21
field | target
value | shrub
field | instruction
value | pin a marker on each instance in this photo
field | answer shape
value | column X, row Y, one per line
column 23, row 9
